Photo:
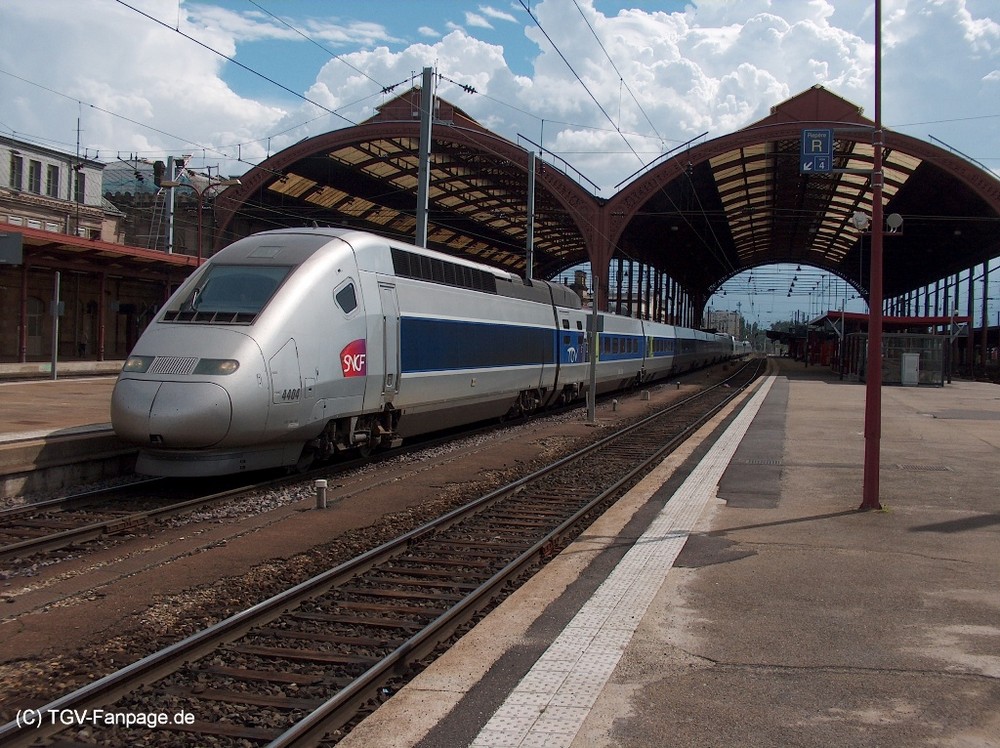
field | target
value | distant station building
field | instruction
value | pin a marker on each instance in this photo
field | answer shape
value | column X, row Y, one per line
column 69, row 242
column 726, row 322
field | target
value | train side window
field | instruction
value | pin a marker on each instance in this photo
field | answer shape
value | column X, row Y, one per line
column 579, row 325
column 565, row 324
column 346, row 297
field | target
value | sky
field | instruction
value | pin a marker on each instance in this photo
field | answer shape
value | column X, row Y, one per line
column 606, row 85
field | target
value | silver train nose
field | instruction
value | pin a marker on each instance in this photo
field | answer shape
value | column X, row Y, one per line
column 187, row 415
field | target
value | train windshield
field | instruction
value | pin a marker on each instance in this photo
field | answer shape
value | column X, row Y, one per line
column 235, row 293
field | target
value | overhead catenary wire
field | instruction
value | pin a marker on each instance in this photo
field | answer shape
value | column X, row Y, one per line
column 716, row 249
column 621, row 78
column 239, row 64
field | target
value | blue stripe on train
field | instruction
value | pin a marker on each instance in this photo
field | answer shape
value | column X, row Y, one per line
column 444, row 345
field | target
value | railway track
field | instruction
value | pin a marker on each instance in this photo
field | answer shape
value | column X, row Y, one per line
column 302, row 664
column 81, row 518
column 77, row 519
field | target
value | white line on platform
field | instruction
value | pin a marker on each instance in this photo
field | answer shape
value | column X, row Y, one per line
column 548, row 707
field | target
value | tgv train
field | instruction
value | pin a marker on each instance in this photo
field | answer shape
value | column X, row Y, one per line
column 291, row 345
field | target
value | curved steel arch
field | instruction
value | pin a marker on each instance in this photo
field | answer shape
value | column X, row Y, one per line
column 739, row 201
column 366, row 177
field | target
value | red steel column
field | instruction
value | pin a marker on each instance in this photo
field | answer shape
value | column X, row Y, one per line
column 873, row 383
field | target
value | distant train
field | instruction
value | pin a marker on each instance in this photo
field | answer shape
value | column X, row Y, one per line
column 292, row 345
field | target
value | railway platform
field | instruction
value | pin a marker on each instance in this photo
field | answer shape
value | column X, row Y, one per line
column 57, row 432
column 737, row 597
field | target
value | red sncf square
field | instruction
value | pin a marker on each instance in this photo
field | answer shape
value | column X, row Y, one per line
column 354, row 359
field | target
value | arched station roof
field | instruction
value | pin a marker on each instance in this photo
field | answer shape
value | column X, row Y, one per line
column 704, row 215
column 366, row 177
column 740, row 201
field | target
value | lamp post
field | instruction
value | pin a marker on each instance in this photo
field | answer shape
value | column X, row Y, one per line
column 209, row 183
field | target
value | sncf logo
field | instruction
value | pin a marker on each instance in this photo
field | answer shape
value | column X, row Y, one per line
column 353, row 359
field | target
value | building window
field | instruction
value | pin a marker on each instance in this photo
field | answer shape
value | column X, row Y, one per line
column 35, row 177
column 16, row 171
column 80, row 187
column 52, row 181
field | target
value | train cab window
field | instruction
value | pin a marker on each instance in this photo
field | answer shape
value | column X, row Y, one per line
column 579, row 325
column 230, row 293
column 346, row 297
column 565, row 324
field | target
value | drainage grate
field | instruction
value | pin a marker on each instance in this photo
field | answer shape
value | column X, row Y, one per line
column 924, row 468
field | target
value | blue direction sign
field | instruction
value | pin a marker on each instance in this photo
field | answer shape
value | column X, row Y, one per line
column 817, row 152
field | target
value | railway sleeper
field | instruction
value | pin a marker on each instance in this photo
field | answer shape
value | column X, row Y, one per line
column 447, row 558
column 403, row 580
column 52, row 524
column 530, row 517
column 353, row 620
column 394, row 594
column 133, row 522
column 242, row 697
column 443, row 574
column 227, row 730
column 267, row 676
column 322, row 636
column 409, row 610
column 484, row 547
column 521, row 522
column 303, row 655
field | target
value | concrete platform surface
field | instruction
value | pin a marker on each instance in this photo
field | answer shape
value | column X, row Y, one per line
column 31, row 409
column 783, row 616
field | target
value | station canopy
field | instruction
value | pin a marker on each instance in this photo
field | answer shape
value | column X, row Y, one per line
column 366, row 177
column 702, row 216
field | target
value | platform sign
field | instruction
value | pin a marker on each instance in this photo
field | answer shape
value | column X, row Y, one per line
column 817, row 152
column 11, row 249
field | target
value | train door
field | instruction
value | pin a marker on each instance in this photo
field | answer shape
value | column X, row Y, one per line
column 390, row 341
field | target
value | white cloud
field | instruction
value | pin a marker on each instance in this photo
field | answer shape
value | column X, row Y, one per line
column 498, row 15
column 141, row 72
column 477, row 21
